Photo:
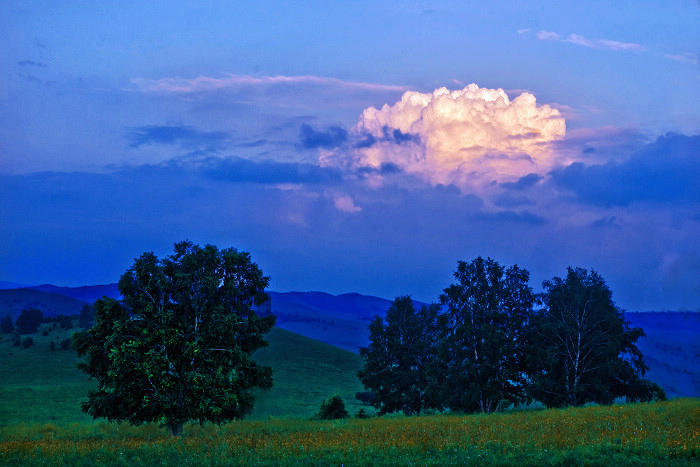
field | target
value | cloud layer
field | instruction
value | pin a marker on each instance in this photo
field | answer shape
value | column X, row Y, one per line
column 469, row 137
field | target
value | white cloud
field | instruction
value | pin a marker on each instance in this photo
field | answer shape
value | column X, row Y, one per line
column 469, row 137
column 578, row 39
column 179, row 85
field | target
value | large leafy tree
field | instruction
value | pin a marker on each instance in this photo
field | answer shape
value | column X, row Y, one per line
column 178, row 347
column 584, row 348
column 398, row 360
column 485, row 336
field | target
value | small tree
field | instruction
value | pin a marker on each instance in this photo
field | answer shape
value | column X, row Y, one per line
column 332, row 409
column 177, row 347
column 29, row 320
column 86, row 317
column 398, row 362
column 485, row 336
column 584, row 349
column 7, row 326
column 27, row 342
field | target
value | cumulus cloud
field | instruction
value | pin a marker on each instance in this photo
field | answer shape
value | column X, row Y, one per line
column 469, row 137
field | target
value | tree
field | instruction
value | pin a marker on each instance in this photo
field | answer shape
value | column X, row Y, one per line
column 29, row 320
column 7, row 326
column 398, row 362
column 86, row 317
column 584, row 349
column 332, row 409
column 178, row 346
column 485, row 336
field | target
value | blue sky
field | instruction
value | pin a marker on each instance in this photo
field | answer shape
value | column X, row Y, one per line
column 364, row 147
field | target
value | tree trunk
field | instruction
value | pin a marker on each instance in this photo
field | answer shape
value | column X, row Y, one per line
column 175, row 428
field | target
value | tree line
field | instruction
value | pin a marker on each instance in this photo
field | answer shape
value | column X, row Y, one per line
column 490, row 343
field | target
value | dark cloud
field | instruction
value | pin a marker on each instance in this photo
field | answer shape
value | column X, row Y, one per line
column 523, row 183
column 32, row 63
column 331, row 137
column 523, row 217
column 666, row 170
column 390, row 135
column 183, row 136
column 235, row 169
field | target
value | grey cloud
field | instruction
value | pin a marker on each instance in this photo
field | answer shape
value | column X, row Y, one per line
column 666, row 170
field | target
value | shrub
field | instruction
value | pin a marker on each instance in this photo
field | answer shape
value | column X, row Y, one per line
column 65, row 344
column 332, row 409
column 29, row 320
column 16, row 341
column 361, row 414
column 27, row 342
column 7, row 326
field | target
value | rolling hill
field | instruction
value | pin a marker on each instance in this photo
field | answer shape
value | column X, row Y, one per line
column 671, row 346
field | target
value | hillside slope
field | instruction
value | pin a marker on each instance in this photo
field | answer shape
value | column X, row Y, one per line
column 13, row 301
column 41, row 385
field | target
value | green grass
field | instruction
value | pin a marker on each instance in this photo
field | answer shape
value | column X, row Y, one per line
column 660, row 433
column 38, row 385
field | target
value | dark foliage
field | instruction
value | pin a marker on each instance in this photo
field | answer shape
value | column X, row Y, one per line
column 583, row 348
column 332, row 409
column 29, row 320
column 86, row 317
column 398, row 362
column 27, row 342
column 485, row 336
column 177, row 347
column 7, row 326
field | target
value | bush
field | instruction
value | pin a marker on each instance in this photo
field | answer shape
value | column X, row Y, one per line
column 361, row 414
column 27, row 342
column 65, row 344
column 332, row 409
column 29, row 320
column 7, row 326
column 16, row 341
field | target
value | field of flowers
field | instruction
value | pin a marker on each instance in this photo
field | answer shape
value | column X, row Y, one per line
column 660, row 433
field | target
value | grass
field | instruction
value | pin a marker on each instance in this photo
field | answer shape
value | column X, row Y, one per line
column 41, row 424
column 38, row 385
column 661, row 433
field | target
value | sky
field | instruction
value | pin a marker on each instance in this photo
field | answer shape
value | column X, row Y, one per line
column 355, row 147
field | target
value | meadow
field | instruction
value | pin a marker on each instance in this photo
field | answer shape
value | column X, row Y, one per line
column 661, row 433
column 41, row 424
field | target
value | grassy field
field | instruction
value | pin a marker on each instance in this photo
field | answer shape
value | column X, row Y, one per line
column 41, row 424
column 662, row 433
column 38, row 385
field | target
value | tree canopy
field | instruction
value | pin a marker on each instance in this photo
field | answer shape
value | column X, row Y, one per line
column 584, row 349
column 488, row 348
column 29, row 320
column 178, row 346
column 398, row 360
column 484, row 343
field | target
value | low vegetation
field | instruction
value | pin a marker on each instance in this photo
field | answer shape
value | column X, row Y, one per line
column 655, row 433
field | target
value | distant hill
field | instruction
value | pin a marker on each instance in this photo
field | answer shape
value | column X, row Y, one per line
column 339, row 320
column 13, row 301
column 671, row 347
column 86, row 293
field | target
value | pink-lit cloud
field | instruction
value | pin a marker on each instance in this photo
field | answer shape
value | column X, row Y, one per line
column 468, row 137
column 346, row 204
